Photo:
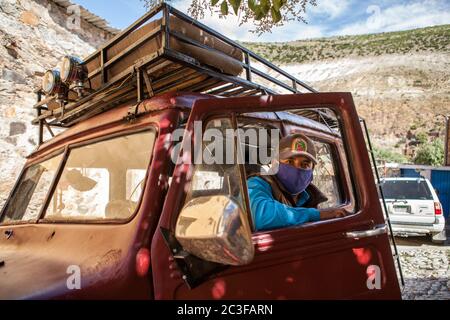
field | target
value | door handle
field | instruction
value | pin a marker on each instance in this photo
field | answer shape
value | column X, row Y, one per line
column 378, row 230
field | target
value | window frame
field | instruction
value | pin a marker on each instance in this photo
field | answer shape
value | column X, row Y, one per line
column 343, row 178
column 81, row 144
column 346, row 192
column 65, row 150
column 344, row 198
column 60, row 151
column 344, row 181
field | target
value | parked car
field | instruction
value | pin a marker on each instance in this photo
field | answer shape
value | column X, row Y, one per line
column 414, row 207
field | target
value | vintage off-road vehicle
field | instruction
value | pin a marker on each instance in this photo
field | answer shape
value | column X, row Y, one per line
column 112, row 207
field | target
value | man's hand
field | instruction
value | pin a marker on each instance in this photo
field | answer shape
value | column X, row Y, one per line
column 327, row 214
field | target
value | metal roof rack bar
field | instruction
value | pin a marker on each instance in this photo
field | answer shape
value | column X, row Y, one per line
column 165, row 69
column 247, row 52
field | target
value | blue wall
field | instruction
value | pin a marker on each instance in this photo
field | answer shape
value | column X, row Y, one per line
column 409, row 173
column 440, row 180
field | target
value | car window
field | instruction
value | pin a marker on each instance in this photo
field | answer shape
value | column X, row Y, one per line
column 28, row 198
column 327, row 190
column 256, row 141
column 406, row 190
column 325, row 178
column 103, row 180
column 217, row 174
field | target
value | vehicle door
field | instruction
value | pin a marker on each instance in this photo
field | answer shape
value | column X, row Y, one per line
column 348, row 257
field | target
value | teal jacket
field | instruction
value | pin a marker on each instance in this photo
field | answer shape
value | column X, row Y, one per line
column 268, row 213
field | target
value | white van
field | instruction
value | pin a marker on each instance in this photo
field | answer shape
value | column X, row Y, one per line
column 414, row 207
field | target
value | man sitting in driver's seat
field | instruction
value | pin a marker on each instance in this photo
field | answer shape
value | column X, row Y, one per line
column 288, row 198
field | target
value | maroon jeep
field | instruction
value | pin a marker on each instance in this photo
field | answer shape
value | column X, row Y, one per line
column 116, row 206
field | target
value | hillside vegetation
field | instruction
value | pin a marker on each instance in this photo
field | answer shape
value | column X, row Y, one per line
column 430, row 39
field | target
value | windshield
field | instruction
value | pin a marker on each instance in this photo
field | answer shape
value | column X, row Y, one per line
column 406, row 190
column 103, row 180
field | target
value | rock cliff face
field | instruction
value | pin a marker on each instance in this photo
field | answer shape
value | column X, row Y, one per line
column 34, row 36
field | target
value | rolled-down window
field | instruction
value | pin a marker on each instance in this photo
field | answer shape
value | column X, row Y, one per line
column 96, row 183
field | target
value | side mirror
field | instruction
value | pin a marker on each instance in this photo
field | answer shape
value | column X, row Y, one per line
column 215, row 228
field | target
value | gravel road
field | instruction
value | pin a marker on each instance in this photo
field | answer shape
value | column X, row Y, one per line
column 425, row 269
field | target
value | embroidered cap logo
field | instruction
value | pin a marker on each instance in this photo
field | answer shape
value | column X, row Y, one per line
column 300, row 145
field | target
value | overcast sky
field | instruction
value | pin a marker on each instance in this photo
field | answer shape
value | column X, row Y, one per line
column 328, row 18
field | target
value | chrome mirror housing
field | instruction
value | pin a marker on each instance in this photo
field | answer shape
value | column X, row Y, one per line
column 215, row 228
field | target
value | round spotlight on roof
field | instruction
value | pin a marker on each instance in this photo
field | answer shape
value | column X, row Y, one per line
column 73, row 70
column 51, row 83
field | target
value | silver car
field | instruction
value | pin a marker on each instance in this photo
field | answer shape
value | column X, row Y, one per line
column 414, row 207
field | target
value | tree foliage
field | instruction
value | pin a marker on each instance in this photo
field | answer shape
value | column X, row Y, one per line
column 265, row 14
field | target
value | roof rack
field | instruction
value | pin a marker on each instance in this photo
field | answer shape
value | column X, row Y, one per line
column 164, row 70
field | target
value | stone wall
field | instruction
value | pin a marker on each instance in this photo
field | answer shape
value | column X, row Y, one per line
column 34, row 36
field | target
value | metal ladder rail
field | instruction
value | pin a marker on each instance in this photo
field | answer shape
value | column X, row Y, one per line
column 372, row 155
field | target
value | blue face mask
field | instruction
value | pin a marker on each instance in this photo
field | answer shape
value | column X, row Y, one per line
column 295, row 180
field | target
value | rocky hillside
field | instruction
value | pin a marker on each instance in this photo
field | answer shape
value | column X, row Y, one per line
column 34, row 36
column 400, row 80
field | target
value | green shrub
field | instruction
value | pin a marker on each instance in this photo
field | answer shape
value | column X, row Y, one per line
column 422, row 137
column 389, row 155
column 431, row 153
